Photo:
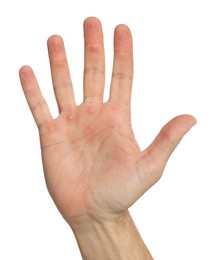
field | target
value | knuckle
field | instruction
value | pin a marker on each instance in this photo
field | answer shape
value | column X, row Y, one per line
column 38, row 106
column 93, row 71
column 94, row 48
column 122, row 75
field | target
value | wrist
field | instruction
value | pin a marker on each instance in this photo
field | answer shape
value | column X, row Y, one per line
column 88, row 223
column 115, row 237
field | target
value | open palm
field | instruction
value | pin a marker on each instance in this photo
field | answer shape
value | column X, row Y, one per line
column 92, row 163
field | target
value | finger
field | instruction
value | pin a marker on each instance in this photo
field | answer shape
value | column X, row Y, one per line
column 36, row 101
column 61, row 79
column 94, row 60
column 157, row 154
column 122, row 75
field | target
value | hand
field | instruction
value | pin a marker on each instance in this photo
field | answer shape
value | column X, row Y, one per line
column 93, row 166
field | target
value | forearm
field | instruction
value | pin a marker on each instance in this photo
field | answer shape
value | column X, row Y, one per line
column 117, row 239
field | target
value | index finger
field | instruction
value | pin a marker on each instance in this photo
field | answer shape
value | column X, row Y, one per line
column 122, row 76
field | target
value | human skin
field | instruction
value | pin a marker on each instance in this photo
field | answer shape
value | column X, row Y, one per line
column 93, row 166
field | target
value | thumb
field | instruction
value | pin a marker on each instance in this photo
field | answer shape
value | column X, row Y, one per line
column 155, row 157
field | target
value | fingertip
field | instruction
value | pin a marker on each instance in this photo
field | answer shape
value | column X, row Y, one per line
column 24, row 69
column 193, row 120
column 91, row 20
column 93, row 34
column 123, row 34
column 123, row 37
column 122, row 28
column 185, row 121
column 54, row 40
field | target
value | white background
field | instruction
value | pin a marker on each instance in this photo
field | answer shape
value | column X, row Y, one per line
column 174, row 52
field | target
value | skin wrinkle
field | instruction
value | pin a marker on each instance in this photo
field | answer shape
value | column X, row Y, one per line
column 94, row 48
column 43, row 122
column 82, row 133
column 99, row 133
column 30, row 91
column 164, row 135
column 58, row 62
column 61, row 85
column 50, row 145
column 64, row 141
column 121, row 76
column 132, row 142
column 76, row 166
column 48, row 125
column 38, row 105
column 94, row 44
column 98, row 110
column 67, row 108
column 80, row 176
column 147, row 171
column 93, row 99
column 124, row 54
column 94, row 71
column 116, row 201
column 93, row 164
